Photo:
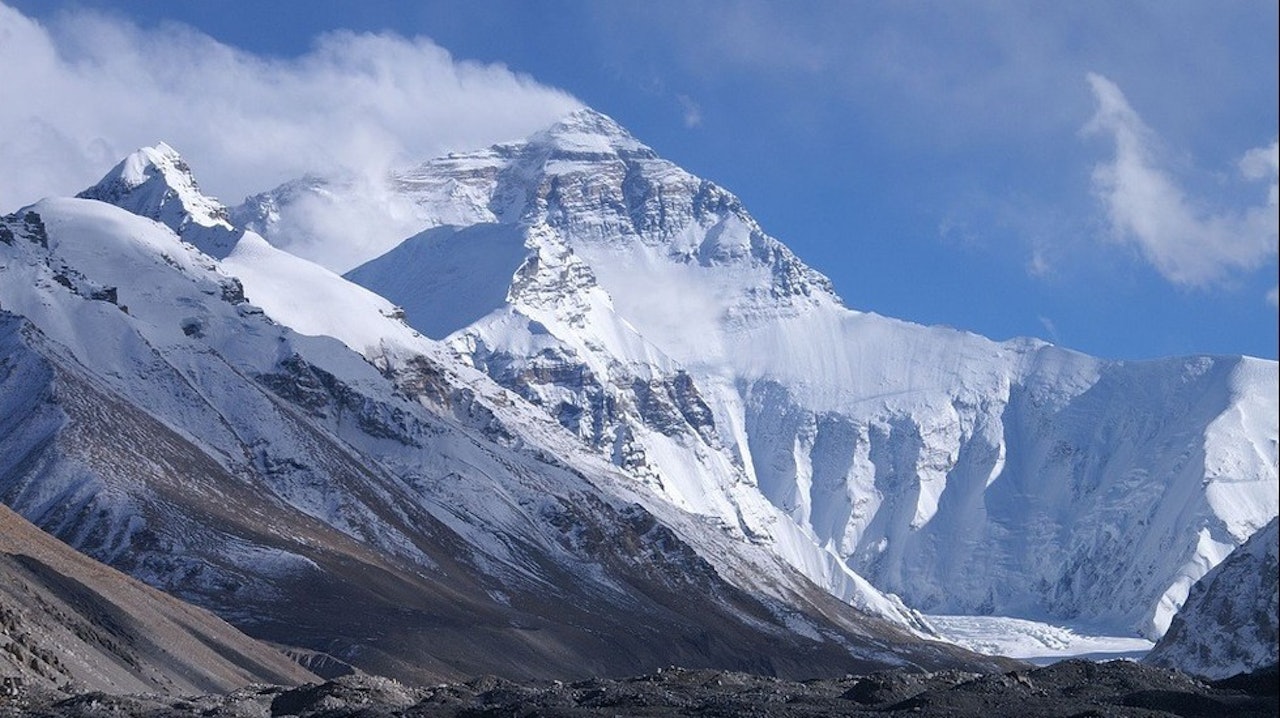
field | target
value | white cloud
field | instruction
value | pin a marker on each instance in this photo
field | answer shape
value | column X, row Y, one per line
column 1273, row 297
column 1039, row 265
column 1263, row 163
column 1050, row 328
column 1189, row 241
column 692, row 111
column 88, row 89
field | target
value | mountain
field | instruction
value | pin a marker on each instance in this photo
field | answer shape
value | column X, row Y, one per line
column 649, row 314
column 963, row 474
column 1229, row 623
column 256, row 435
column 583, row 417
column 68, row 621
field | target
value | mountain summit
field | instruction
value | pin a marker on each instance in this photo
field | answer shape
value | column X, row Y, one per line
column 590, row 181
column 588, row 132
column 155, row 182
column 584, row 177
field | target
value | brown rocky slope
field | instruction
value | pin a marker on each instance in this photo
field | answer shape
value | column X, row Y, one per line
column 69, row 621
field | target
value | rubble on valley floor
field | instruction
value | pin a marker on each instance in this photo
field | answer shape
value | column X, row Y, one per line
column 1069, row 688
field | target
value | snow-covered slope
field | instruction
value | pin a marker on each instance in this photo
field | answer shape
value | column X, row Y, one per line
column 646, row 311
column 168, row 413
column 1229, row 623
column 556, row 339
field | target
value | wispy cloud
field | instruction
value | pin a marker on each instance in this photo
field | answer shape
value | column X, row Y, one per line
column 1189, row 240
column 692, row 111
column 1050, row 328
column 1039, row 265
column 88, row 88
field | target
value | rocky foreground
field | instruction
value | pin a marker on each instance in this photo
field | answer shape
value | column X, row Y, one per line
column 1070, row 688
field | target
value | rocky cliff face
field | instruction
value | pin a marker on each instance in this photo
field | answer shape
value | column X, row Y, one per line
column 1229, row 623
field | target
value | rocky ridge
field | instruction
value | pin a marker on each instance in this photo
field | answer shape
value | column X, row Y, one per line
column 72, row 624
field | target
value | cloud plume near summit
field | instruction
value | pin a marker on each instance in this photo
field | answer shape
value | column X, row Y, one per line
column 87, row 89
column 1190, row 240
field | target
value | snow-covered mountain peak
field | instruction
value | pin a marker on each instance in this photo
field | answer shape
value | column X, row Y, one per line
column 617, row 313
column 603, row 193
column 591, row 133
column 155, row 182
column 964, row 474
column 617, row 204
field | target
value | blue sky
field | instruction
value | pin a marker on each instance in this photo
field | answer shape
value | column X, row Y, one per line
column 1098, row 174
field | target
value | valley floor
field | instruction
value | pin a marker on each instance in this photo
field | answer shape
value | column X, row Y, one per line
column 1068, row 688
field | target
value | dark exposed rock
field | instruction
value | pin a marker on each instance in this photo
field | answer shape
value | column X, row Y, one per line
column 233, row 291
column 1072, row 688
column 672, row 405
column 1231, row 619
column 105, row 294
column 35, row 229
column 317, row 390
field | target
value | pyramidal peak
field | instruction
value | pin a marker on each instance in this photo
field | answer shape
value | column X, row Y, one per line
column 588, row 132
column 140, row 166
column 591, row 120
column 155, row 182
column 604, row 192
